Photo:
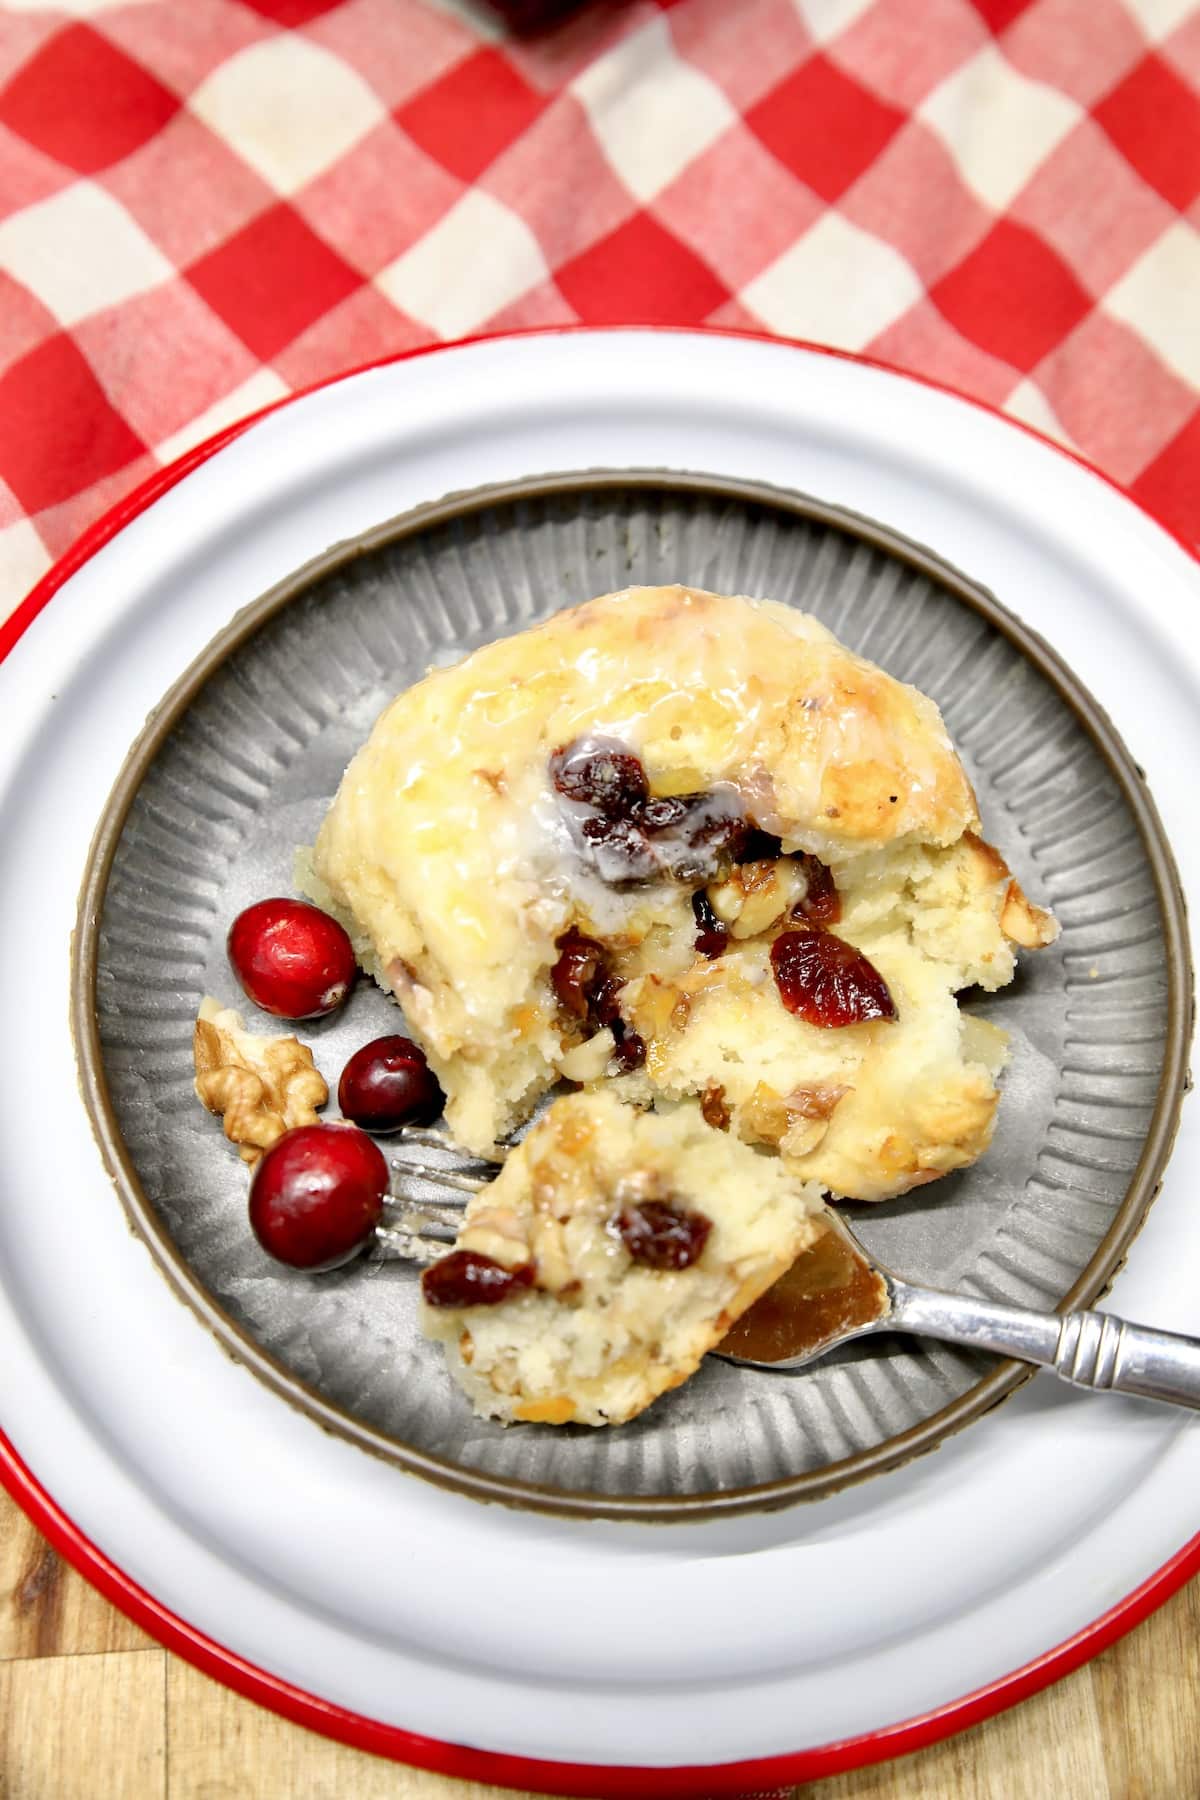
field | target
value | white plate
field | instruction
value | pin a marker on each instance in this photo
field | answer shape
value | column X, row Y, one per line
column 399, row 1609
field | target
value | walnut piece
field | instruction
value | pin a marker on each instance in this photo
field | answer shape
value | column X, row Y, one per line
column 1024, row 923
column 263, row 1086
column 756, row 894
column 713, row 1109
column 794, row 1123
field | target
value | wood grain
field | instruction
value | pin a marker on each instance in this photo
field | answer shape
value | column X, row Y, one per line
column 84, row 1727
column 222, row 1748
column 1148, row 1699
column 46, row 1609
column 89, row 1712
column 1052, row 1745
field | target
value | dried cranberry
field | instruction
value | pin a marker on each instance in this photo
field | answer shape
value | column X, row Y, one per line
column 587, row 989
column 580, row 961
column 630, row 1050
column 708, row 839
column 603, row 996
column 711, row 936
column 759, row 846
column 710, row 835
column 664, row 814
column 628, row 835
column 660, row 1235
column 822, row 903
column 600, row 772
column 826, row 981
column 465, row 1278
column 617, row 849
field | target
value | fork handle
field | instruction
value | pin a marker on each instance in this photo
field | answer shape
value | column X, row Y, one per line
column 1089, row 1349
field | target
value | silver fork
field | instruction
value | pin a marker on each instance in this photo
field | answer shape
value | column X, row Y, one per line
column 837, row 1292
column 415, row 1228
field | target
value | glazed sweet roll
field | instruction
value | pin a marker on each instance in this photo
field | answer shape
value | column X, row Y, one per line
column 690, row 846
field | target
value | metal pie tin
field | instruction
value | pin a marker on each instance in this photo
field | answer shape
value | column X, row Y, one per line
column 234, row 770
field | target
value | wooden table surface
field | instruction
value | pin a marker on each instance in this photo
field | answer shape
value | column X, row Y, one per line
column 92, row 1709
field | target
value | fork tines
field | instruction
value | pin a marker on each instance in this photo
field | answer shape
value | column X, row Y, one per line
column 416, row 1229
column 448, row 1178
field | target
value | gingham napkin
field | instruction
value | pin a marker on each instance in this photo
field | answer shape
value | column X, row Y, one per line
column 206, row 204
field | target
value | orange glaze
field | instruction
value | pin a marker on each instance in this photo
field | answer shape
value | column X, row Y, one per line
column 827, row 1291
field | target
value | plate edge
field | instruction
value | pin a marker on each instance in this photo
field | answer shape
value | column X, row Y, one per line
column 350, row 1728
column 982, row 1396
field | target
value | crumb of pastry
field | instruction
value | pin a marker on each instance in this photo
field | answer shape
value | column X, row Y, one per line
column 260, row 1085
column 646, row 755
column 599, row 1334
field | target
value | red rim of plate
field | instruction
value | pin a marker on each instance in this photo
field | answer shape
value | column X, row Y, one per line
column 461, row 1760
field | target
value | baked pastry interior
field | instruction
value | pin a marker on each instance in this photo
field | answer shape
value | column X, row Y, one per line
column 692, row 845
column 631, row 1241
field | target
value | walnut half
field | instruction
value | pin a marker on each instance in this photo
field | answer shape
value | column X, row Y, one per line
column 263, row 1086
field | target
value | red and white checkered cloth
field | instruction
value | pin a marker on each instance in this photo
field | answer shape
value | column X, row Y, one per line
column 205, row 204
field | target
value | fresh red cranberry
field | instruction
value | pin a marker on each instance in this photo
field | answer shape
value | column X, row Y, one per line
column 292, row 959
column 822, row 904
column 466, row 1278
column 712, row 938
column 387, row 1084
column 660, row 1235
column 826, row 981
column 317, row 1195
